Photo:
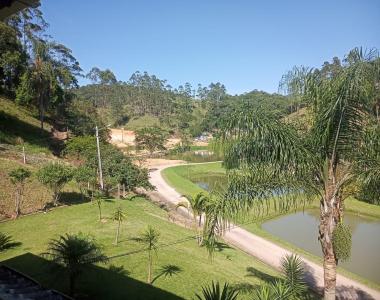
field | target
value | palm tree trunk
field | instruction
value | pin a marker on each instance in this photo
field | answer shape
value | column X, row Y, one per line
column 330, row 215
column 41, row 110
column 100, row 211
column 117, row 233
column 150, row 267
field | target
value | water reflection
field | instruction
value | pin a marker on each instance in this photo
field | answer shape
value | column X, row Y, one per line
column 365, row 254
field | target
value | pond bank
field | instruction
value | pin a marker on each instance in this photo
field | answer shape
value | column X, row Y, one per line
column 253, row 244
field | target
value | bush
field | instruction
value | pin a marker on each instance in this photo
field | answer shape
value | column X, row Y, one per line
column 55, row 176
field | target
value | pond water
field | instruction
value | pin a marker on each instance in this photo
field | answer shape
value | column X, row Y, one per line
column 301, row 229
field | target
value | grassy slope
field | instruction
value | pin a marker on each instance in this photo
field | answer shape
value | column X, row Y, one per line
column 141, row 122
column 178, row 178
column 35, row 231
column 17, row 122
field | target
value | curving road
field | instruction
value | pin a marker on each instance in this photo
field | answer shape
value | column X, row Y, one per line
column 263, row 249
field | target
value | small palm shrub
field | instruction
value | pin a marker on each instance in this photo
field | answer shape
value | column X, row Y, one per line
column 293, row 271
column 216, row 292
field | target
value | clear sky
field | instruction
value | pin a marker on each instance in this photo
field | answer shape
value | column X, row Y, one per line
column 244, row 44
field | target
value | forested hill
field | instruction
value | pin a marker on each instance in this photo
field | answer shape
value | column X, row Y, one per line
column 149, row 99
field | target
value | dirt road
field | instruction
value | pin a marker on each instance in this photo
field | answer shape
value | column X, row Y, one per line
column 262, row 249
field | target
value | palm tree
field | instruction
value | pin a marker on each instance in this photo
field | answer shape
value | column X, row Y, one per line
column 99, row 202
column 149, row 238
column 74, row 252
column 52, row 68
column 118, row 216
column 267, row 157
column 215, row 292
column 293, row 271
column 197, row 205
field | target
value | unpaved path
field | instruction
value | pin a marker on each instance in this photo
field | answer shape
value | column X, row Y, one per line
column 262, row 249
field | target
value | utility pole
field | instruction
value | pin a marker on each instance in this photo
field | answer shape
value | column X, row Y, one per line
column 99, row 159
column 23, row 154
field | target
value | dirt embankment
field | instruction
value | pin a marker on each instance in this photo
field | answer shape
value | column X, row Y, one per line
column 122, row 138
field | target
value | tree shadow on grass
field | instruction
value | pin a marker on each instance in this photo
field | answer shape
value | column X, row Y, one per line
column 245, row 287
column 72, row 198
column 31, row 134
column 94, row 283
column 219, row 246
column 253, row 272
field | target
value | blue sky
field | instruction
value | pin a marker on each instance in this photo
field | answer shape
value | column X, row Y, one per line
column 244, row 44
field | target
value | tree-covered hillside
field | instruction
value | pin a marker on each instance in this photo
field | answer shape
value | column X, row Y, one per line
column 181, row 109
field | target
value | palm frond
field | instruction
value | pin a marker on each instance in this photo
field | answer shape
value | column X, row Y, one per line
column 256, row 136
column 293, row 269
column 216, row 292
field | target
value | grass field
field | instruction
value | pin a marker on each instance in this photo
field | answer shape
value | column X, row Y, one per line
column 179, row 177
column 177, row 248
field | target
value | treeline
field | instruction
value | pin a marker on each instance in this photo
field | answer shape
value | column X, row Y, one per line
column 181, row 109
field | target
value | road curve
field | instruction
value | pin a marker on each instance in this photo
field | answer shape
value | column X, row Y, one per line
column 266, row 251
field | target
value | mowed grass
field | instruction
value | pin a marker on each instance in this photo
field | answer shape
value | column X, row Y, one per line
column 179, row 177
column 177, row 247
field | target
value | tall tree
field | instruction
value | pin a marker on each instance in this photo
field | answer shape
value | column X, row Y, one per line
column 53, row 68
column 12, row 59
column 151, row 139
column 265, row 155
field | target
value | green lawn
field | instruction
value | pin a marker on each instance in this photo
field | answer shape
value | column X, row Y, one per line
column 179, row 177
column 34, row 232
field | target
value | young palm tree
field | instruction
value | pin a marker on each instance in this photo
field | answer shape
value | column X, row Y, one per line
column 267, row 157
column 99, row 202
column 197, row 206
column 118, row 216
column 149, row 238
column 293, row 271
column 74, row 252
column 215, row 292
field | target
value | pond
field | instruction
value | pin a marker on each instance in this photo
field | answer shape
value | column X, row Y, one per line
column 365, row 253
